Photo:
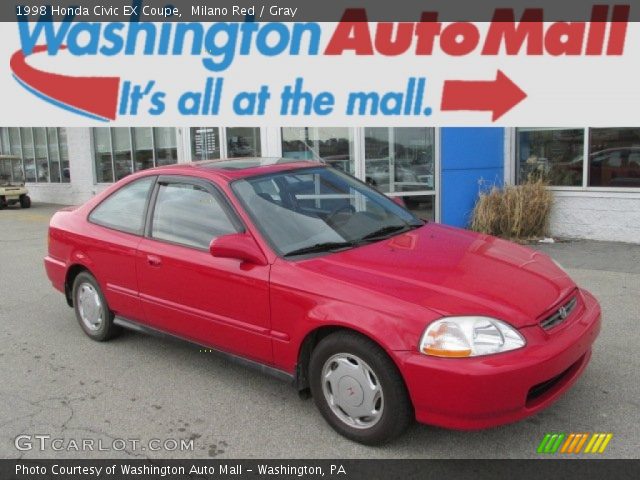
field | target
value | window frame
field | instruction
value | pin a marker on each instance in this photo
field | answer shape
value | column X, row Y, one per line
column 210, row 186
column 586, row 149
column 140, row 233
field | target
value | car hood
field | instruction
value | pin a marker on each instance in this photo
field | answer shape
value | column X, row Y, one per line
column 453, row 272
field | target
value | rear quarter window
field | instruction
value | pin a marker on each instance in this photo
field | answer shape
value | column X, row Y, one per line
column 124, row 209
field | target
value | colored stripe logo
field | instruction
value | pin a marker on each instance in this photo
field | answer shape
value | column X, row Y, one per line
column 574, row 443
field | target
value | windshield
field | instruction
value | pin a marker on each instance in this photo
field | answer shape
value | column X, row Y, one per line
column 319, row 209
column 11, row 171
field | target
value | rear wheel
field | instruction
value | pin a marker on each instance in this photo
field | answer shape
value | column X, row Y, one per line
column 92, row 311
column 358, row 389
column 25, row 201
column 3, row 203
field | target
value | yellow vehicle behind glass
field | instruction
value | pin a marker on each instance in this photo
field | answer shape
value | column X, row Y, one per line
column 12, row 189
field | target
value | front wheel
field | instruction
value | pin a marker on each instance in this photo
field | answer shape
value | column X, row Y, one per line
column 358, row 389
column 92, row 311
column 25, row 201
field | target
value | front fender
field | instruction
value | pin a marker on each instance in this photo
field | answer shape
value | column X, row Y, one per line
column 297, row 312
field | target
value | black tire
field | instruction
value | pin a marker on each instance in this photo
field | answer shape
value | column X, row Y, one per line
column 3, row 203
column 397, row 413
column 25, row 201
column 107, row 329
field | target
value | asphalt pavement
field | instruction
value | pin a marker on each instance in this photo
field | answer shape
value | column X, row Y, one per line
column 138, row 393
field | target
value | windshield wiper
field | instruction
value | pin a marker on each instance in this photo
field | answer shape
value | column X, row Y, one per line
column 320, row 247
column 381, row 232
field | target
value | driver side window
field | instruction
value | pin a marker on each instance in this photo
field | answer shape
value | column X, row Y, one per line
column 190, row 215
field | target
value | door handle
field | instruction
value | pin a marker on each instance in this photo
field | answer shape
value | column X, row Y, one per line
column 154, row 260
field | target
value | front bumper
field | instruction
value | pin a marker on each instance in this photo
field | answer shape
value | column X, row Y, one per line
column 483, row 392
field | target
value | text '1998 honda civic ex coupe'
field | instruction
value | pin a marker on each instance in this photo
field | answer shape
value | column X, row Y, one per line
column 311, row 275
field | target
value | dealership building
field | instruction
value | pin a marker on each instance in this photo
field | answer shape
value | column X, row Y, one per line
column 593, row 172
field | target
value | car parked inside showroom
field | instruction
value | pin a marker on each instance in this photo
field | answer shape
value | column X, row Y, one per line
column 309, row 274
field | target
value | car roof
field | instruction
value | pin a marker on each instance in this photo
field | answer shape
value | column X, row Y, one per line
column 242, row 167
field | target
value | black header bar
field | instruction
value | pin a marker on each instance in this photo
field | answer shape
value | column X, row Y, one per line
column 303, row 11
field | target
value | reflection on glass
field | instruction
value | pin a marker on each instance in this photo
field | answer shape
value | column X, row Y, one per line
column 553, row 154
column 64, row 154
column 331, row 145
column 243, row 142
column 205, row 143
column 166, row 145
column 14, row 136
column 54, row 154
column 143, row 148
column 102, row 147
column 400, row 159
column 121, row 151
column 422, row 206
column 28, row 154
column 40, row 149
column 4, row 138
column 614, row 160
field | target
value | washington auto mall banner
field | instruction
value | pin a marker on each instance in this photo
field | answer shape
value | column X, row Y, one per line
column 152, row 63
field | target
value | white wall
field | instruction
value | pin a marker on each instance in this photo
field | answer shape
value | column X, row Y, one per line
column 609, row 216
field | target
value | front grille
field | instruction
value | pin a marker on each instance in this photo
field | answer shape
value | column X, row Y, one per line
column 560, row 315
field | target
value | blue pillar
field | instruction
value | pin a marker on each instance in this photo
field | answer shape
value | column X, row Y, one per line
column 469, row 157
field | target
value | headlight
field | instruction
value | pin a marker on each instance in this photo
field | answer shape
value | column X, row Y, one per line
column 458, row 337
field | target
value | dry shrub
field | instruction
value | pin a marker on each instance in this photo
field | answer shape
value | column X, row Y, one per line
column 515, row 212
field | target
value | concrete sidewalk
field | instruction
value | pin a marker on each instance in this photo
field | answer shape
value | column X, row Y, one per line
column 54, row 380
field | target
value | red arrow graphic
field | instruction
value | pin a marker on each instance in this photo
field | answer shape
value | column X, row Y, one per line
column 498, row 96
column 96, row 97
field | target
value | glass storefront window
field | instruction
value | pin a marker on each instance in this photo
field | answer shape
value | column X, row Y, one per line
column 41, row 155
column 205, row 143
column 54, row 154
column 64, row 155
column 614, row 159
column 166, row 145
column 243, row 142
column 121, row 142
column 422, row 206
column 554, row 154
column 26, row 135
column 40, row 150
column 102, row 149
column 143, row 148
column 400, row 159
column 14, row 138
column 123, row 150
column 6, row 144
column 331, row 145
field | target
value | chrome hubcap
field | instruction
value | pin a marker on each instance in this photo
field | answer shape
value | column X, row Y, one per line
column 89, row 306
column 352, row 390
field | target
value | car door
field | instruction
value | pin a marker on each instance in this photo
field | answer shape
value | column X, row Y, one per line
column 184, row 290
column 110, row 241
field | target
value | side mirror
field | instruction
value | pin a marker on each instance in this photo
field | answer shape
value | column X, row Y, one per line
column 399, row 201
column 240, row 246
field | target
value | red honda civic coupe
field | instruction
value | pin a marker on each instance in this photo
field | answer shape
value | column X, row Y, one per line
column 309, row 274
